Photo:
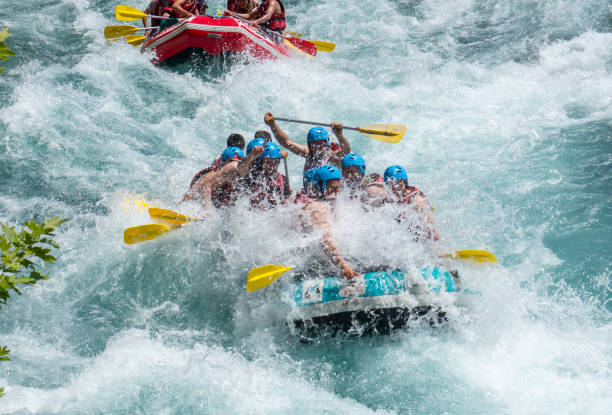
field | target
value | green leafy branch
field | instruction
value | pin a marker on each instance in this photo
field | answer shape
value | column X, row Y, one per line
column 3, row 356
column 5, row 52
column 23, row 252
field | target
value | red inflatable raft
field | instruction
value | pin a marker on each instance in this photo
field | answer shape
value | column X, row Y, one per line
column 217, row 35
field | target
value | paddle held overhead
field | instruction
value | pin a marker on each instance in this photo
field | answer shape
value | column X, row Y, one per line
column 387, row 133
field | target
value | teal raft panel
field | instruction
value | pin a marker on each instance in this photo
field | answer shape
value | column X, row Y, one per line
column 324, row 290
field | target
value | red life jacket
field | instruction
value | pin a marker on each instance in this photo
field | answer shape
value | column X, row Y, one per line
column 266, row 191
column 377, row 178
column 411, row 192
column 160, row 8
column 277, row 21
column 224, row 196
column 312, row 163
column 420, row 230
column 232, row 6
column 190, row 7
column 214, row 167
column 227, row 194
column 302, row 197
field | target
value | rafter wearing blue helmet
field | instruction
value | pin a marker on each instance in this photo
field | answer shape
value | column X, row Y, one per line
column 328, row 180
column 403, row 194
column 268, row 188
column 310, row 190
column 232, row 153
column 395, row 172
column 353, row 170
column 318, row 151
column 318, row 214
column 220, row 187
column 233, row 141
column 255, row 142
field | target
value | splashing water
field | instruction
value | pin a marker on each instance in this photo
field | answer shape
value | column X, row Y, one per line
column 509, row 116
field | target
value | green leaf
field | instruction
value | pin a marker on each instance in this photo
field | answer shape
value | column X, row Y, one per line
column 22, row 280
column 9, row 231
column 3, row 352
column 37, row 275
column 22, row 252
column 4, row 34
column 54, row 222
column 5, row 52
column 4, row 244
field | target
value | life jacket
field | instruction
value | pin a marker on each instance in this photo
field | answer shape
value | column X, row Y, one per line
column 411, row 192
column 313, row 163
column 277, row 21
column 376, row 178
column 419, row 229
column 227, row 194
column 302, row 198
column 161, row 7
column 214, row 167
column 224, row 196
column 232, row 6
column 190, row 6
column 201, row 6
column 266, row 191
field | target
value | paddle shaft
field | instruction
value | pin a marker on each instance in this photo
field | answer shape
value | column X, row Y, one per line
column 153, row 16
column 361, row 130
column 287, row 174
column 313, row 123
column 147, row 28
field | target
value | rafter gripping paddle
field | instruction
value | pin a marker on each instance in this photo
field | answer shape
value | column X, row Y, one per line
column 387, row 133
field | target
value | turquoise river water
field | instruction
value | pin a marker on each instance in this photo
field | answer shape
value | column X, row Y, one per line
column 508, row 106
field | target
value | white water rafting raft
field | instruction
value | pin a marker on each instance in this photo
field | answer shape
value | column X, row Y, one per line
column 375, row 302
column 221, row 35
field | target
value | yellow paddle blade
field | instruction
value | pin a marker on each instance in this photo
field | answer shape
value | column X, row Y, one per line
column 387, row 133
column 476, row 255
column 143, row 233
column 119, row 30
column 294, row 34
column 263, row 276
column 128, row 13
column 134, row 40
column 323, row 46
column 297, row 50
column 320, row 44
column 168, row 217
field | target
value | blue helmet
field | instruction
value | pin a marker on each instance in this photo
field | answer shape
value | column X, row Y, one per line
column 395, row 172
column 354, row 159
column 309, row 177
column 317, row 134
column 231, row 152
column 254, row 143
column 325, row 174
column 271, row 151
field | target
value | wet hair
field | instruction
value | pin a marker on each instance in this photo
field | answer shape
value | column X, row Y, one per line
column 263, row 134
column 235, row 140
